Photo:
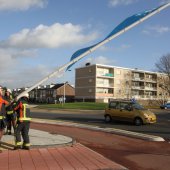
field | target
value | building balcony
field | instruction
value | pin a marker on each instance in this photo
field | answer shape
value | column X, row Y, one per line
column 151, row 88
column 138, row 87
column 150, row 97
column 137, row 96
column 107, row 75
column 137, row 78
column 104, row 85
column 145, row 96
column 151, row 80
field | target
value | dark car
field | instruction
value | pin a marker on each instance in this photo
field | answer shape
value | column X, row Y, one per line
column 165, row 106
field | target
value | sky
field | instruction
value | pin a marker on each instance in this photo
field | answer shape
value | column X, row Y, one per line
column 38, row 36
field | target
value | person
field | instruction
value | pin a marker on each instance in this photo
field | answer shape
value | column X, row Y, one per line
column 23, row 123
column 3, row 103
column 10, row 114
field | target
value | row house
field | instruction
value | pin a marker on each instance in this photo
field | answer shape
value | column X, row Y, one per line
column 54, row 93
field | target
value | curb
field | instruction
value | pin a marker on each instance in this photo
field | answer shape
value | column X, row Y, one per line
column 108, row 130
column 39, row 139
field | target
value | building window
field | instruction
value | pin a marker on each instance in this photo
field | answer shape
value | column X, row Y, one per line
column 90, row 70
column 90, row 80
column 136, row 75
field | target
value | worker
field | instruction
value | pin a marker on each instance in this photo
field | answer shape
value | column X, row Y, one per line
column 3, row 103
column 23, row 123
column 10, row 114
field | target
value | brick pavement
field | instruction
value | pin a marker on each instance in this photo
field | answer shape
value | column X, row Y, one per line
column 53, row 152
column 76, row 157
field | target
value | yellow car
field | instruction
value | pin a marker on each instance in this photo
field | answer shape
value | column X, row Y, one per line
column 128, row 111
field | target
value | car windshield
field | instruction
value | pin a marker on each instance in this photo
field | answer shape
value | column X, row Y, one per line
column 138, row 106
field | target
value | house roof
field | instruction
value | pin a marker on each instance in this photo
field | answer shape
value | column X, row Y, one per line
column 56, row 86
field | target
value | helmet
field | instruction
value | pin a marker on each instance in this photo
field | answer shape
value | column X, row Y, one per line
column 1, row 88
column 9, row 90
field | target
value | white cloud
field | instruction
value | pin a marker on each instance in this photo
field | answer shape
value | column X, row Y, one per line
column 122, row 47
column 97, row 60
column 12, row 69
column 54, row 36
column 25, row 77
column 21, row 4
column 114, row 3
column 158, row 29
column 24, row 53
column 5, row 60
column 17, row 74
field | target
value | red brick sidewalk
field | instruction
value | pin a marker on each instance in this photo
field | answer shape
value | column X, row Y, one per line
column 76, row 157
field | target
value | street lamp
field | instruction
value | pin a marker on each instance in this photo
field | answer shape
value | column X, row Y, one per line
column 64, row 93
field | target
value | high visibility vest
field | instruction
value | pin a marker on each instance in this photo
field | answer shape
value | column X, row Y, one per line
column 24, row 114
column 10, row 112
column 2, row 117
column 2, row 106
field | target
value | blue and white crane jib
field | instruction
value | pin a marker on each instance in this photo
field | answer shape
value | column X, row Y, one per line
column 127, row 24
column 124, row 26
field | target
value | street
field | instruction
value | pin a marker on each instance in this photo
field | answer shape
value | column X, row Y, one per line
column 161, row 128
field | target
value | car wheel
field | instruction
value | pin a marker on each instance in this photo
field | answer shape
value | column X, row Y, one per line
column 138, row 121
column 108, row 118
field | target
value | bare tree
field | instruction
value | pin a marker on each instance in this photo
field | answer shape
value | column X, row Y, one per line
column 163, row 66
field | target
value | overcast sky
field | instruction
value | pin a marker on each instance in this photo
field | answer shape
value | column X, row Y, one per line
column 37, row 36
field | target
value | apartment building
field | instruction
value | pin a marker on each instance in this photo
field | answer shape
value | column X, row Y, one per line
column 100, row 83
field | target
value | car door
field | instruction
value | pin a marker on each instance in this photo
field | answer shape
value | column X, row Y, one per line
column 113, row 110
column 126, row 112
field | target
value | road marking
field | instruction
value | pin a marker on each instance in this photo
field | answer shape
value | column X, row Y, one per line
column 109, row 130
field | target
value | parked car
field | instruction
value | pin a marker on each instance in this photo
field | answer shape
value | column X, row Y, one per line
column 124, row 110
column 165, row 106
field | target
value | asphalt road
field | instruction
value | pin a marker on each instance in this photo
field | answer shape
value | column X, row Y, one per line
column 161, row 128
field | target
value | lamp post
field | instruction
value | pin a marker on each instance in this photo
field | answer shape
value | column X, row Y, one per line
column 64, row 93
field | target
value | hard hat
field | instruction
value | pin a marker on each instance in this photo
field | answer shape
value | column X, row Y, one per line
column 1, row 88
column 9, row 90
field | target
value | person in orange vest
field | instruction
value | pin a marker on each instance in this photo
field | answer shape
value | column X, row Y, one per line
column 10, row 114
column 3, row 103
column 22, row 124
